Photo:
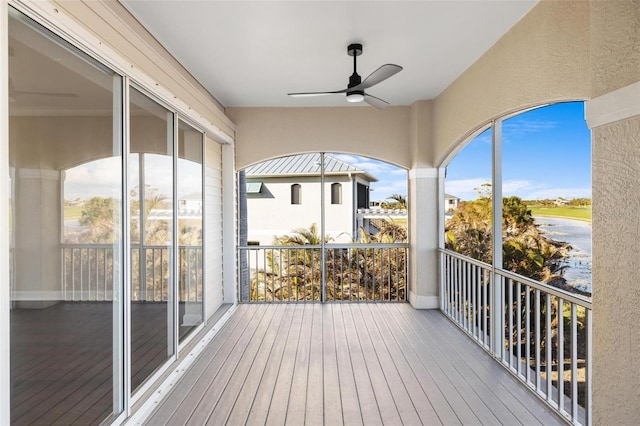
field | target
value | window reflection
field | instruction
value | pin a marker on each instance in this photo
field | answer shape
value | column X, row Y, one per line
column 63, row 327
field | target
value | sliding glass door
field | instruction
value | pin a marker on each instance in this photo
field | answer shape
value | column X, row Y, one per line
column 106, row 230
column 66, row 312
column 152, row 256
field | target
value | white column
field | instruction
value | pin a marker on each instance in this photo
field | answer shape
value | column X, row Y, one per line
column 37, row 251
column 423, row 237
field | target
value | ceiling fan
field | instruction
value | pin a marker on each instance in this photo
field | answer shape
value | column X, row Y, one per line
column 355, row 91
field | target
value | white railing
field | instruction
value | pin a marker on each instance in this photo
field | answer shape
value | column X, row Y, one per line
column 87, row 273
column 545, row 332
column 352, row 272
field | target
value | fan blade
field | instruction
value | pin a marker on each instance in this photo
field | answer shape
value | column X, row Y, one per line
column 375, row 102
column 378, row 76
column 309, row 94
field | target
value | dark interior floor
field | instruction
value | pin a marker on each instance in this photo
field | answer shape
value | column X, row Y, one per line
column 62, row 359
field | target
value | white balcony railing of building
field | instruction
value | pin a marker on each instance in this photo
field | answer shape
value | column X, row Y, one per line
column 87, row 273
column 540, row 333
column 351, row 272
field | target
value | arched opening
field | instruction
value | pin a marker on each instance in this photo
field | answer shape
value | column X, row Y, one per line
column 517, row 248
column 355, row 241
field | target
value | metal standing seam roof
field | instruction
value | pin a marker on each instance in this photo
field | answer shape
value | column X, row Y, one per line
column 304, row 164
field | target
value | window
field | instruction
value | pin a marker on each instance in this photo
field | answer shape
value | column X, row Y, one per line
column 296, row 194
column 336, row 193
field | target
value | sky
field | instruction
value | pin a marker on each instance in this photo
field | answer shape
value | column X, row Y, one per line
column 546, row 154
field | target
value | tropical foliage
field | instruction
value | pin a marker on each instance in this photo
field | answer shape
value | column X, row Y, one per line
column 524, row 249
column 357, row 273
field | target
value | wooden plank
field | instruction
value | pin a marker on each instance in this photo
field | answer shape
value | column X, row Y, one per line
column 270, row 401
column 390, row 374
column 248, row 368
column 297, row 396
column 225, row 366
column 332, row 401
column 422, row 349
column 314, row 406
column 416, row 393
column 261, row 379
column 484, row 403
column 351, row 414
column 469, row 361
column 444, row 411
column 384, row 396
column 198, row 378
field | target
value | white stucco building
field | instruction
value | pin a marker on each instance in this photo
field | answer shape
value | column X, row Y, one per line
column 285, row 194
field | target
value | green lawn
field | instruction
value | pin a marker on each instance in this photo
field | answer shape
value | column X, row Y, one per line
column 580, row 213
column 72, row 212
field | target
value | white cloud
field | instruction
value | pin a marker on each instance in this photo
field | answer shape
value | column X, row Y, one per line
column 464, row 188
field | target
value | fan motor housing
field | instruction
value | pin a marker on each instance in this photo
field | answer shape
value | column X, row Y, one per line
column 354, row 49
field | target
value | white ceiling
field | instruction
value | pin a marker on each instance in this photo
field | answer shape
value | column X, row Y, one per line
column 252, row 53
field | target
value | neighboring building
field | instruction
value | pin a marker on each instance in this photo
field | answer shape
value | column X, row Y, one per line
column 284, row 194
column 451, row 203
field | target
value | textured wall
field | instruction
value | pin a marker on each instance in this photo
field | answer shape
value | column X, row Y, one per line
column 615, row 44
column 615, row 63
column 264, row 133
column 616, row 292
column 543, row 58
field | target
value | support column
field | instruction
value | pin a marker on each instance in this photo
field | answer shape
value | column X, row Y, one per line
column 423, row 227
column 38, row 231
column 615, row 122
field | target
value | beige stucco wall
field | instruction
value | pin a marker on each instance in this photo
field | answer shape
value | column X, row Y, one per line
column 616, row 293
column 543, row 58
column 264, row 133
column 615, row 56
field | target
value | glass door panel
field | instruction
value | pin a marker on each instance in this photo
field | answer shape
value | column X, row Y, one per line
column 64, row 312
column 152, row 256
column 190, row 209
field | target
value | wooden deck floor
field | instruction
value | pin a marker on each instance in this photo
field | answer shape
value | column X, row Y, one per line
column 347, row 364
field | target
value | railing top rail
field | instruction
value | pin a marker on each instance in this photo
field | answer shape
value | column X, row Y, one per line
column 95, row 245
column 328, row 246
column 558, row 292
column 555, row 291
column 465, row 258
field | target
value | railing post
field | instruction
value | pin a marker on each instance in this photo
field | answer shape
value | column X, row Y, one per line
column 497, row 300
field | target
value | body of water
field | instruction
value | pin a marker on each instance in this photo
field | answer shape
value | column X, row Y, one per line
column 578, row 234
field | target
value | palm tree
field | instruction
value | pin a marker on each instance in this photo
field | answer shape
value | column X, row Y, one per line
column 399, row 202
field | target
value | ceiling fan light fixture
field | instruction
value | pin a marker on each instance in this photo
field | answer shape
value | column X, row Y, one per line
column 355, row 97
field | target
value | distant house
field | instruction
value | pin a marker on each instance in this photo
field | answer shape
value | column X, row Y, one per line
column 562, row 201
column 284, row 194
column 451, row 203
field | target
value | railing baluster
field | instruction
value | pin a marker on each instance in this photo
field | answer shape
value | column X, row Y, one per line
column 519, row 327
column 547, row 345
column 574, row 363
column 560, row 340
column 528, row 331
column 510, row 313
column 537, row 341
